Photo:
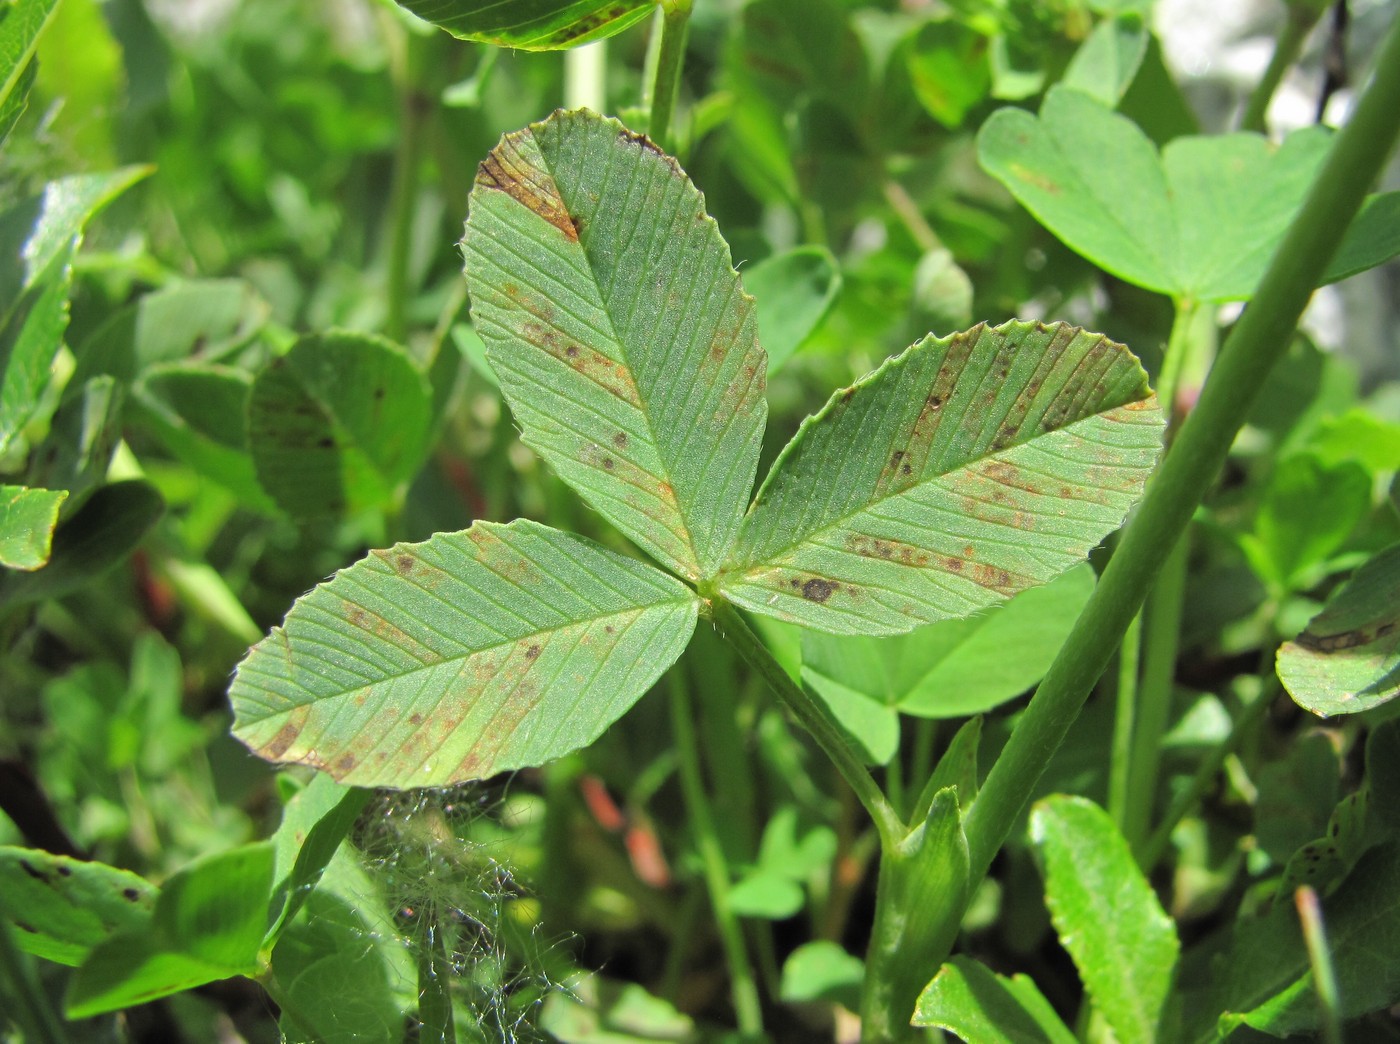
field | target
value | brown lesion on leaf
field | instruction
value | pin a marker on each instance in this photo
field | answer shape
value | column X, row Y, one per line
column 286, row 736
column 994, row 578
column 818, row 589
column 1344, row 640
column 607, row 373
column 342, row 765
column 507, row 170
column 888, row 550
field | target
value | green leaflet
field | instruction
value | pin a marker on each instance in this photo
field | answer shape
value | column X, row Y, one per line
column 532, row 25
column 459, row 657
column 965, row 470
column 20, row 27
column 27, row 520
column 1106, row 914
column 619, row 331
column 975, row 1003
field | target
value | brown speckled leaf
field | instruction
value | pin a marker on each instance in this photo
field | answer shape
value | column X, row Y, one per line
column 498, row 647
column 965, row 470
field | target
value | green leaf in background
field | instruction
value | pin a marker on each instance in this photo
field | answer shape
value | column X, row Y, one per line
column 27, row 520
column 794, row 291
column 338, row 425
column 760, row 893
column 788, row 857
column 205, row 319
column 595, row 1010
column 1198, row 222
column 77, row 453
column 1106, row 914
column 1308, row 511
column 80, row 67
column 1373, row 238
column 20, row 26
column 207, row 925
column 96, row 538
column 12, row 108
column 1264, row 979
column 622, row 339
column 1108, row 60
column 200, row 412
column 1348, row 658
column 823, row 971
column 532, row 25
column 29, row 342
column 947, row 64
column 460, row 657
column 956, row 475
column 61, row 908
column 978, row 1005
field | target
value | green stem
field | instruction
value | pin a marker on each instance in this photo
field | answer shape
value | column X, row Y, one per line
column 436, row 1025
column 1301, row 19
column 670, row 59
column 1320, row 957
column 815, row 718
column 1124, row 722
column 28, row 1003
column 586, row 77
column 1255, row 344
column 743, row 990
column 1150, row 854
column 415, row 106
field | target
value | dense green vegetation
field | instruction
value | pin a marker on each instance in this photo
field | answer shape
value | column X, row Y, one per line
column 595, row 693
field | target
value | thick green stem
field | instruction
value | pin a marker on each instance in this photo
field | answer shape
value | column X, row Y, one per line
column 742, row 988
column 1257, row 341
column 815, row 718
column 670, row 59
column 1301, row 19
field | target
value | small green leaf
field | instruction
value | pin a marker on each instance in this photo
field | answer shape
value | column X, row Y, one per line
column 1108, row 60
column 460, row 657
column 1106, row 914
column 29, row 342
column 770, row 896
column 958, row 474
column 1348, row 658
column 794, row 291
column 978, row 1005
column 61, row 908
column 1372, row 238
column 338, row 425
column 595, row 1010
column 96, row 538
column 948, row 69
column 20, row 27
column 84, row 433
column 822, row 971
column 27, row 520
column 207, row 925
column 1200, row 221
column 619, row 331
column 532, row 25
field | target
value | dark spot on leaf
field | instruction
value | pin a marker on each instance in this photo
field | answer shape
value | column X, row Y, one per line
column 608, row 464
column 620, row 440
column 571, row 351
column 935, row 402
column 379, row 393
column 896, row 457
column 130, row 894
column 404, row 563
column 343, row 764
column 26, row 928
column 817, row 589
column 415, row 718
column 532, row 652
column 508, row 171
column 285, row 737
column 609, row 629
column 38, row 875
column 326, row 442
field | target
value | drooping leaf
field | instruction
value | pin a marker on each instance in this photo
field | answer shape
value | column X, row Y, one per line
column 1200, row 221
column 200, row 412
column 532, row 25
column 29, row 342
column 338, row 424
column 978, row 1005
column 1348, row 658
column 20, row 27
column 471, row 653
column 619, row 331
column 1109, row 58
column 27, row 520
column 794, row 291
column 956, row 475
column 207, row 925
column 96, row 538
column 61, row 908
column 1106, row 914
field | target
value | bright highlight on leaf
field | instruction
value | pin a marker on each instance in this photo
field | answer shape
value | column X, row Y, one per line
column 965, row 470
column 460, row 657
column 622, row 338
column 532, row 25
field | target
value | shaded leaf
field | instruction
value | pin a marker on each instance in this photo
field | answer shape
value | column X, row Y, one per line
column 823, row 971
column 20, row 26
column 956, row 475
column 61, row 908
column 1348, row 658
column 1372, row 238
column 460, row 657
column 619, row 331
column 1106, row 914
column 96, row 538
column 982, row 1007
column 794, row 291
column 1200, row 221
column 27, row 520
column 83, row 435
column 532, row 25
column 207, row 925
column 29, row 343
column 338, row 424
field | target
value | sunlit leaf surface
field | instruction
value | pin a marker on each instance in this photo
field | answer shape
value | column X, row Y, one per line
column 532, row 25
column 965, row 470
column 471, row 653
